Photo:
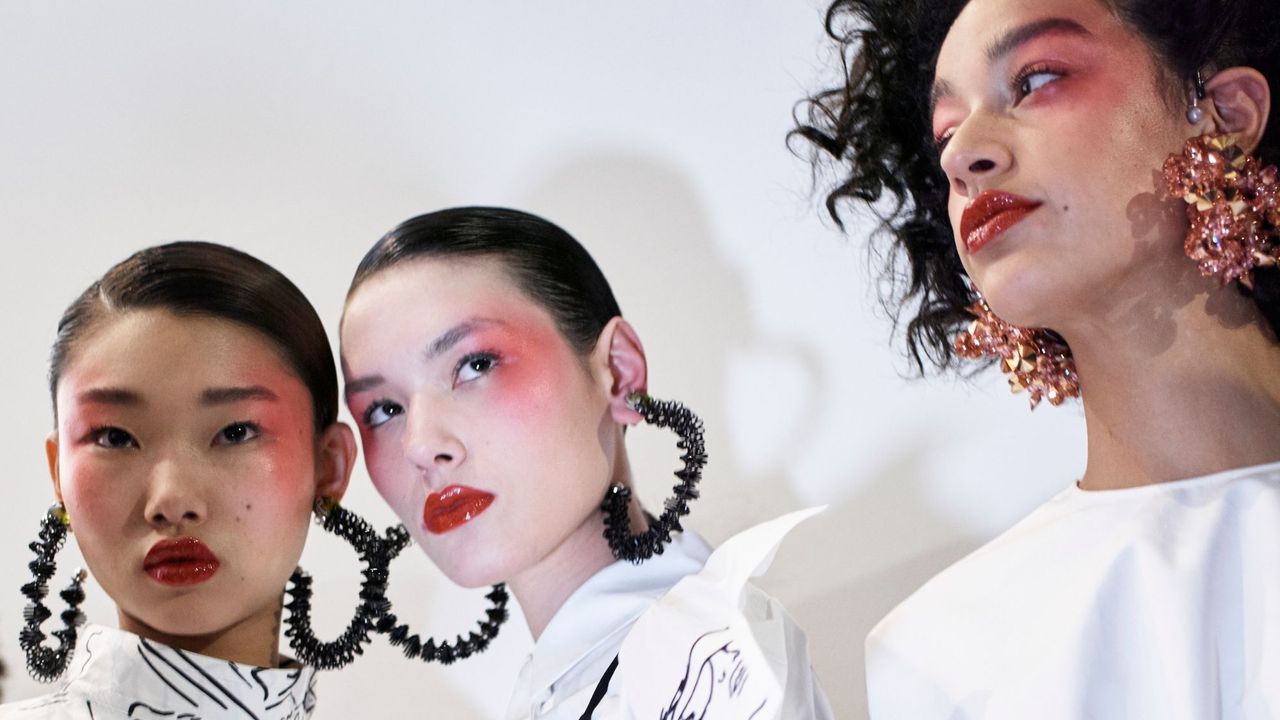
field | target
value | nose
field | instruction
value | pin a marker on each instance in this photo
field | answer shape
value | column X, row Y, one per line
column 975, row 156
column 174, row 498
column 428, row 443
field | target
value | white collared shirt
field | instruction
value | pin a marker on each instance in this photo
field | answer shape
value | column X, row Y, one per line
column 1160, row 601
column 116, row 674
column 588, row 631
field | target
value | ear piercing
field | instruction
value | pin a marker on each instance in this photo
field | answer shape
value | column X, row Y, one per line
column 1194, row 113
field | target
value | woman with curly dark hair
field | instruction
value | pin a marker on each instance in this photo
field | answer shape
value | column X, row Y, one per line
column 1045, row 167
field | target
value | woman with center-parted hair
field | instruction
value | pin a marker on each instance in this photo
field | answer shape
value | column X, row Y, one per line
column 492, row 377
column 195, row 405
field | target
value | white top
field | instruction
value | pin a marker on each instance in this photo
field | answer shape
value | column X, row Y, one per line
column 115, row 674
column 596, row 623
column 1161, row 601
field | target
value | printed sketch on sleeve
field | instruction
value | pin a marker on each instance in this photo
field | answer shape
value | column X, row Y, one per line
column 716, row 683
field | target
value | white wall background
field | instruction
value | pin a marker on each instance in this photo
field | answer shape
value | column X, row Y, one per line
column 654, row 132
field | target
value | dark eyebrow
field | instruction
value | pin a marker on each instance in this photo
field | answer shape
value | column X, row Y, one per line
column 224, row 395
column 359, row 385
column 455, row 335
column 434, row 349
column 1009, row 41
column 941, row 89
column 110, row 396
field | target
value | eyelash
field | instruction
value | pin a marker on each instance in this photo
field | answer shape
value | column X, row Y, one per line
column 99, row 432
column 367, row 416
column 392, row 409
column 489, row 355
column 1015, row 86
column 254, row 428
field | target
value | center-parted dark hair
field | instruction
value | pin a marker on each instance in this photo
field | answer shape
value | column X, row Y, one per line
column 873, row 128
column 215, row 281
column 546, row 262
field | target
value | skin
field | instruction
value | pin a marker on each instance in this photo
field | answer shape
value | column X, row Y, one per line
column 510, row 408
column 153, row 459
column 1081, row 119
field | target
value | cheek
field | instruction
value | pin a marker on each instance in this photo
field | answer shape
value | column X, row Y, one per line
column 278, row 481
column 544, row 393
column 390, row 473
column 955, row 211
column 525, row 395
column 99, row 495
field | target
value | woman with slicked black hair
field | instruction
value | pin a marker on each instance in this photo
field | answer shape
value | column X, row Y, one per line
column 1081, row 192
column 195, row 405
column 492, row 376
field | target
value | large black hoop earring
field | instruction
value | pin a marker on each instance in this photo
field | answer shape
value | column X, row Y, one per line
column 44, row 663
column 617, row 523
column 446, row 652
column 376, row 553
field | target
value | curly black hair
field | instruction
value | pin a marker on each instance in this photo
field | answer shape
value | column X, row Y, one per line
column 873, row 130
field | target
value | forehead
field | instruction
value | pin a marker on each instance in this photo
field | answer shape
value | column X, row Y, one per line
column 158, row 352
column 978, row 31
column 427, row 296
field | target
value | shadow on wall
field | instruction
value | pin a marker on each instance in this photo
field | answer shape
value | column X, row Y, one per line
column 838, row 558
column 644, row 222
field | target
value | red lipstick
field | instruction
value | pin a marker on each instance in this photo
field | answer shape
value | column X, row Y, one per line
column 181, row 561
column 453, row 506
column 990, row 214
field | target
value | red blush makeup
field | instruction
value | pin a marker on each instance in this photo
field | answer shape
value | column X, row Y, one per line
column 525, row 386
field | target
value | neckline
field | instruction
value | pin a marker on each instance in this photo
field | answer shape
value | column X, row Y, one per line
column 1221, row 476
column 118, row 669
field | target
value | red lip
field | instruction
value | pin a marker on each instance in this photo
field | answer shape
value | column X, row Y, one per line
column 990, row 214
column 181, row 561
column 453, row 506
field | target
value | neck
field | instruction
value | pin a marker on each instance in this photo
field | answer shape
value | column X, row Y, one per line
column 1187, row 392
column 542, row 589
column 252, row 641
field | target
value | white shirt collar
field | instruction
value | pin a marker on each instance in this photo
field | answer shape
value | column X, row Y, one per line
column 125, row 674
column 602, row 609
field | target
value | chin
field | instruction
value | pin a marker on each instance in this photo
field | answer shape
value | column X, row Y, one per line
column 1025, row 294
column 473, row 578
column 470, row 569
column 193, row 619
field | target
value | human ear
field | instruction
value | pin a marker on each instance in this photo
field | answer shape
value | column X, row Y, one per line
column 1241, row 104
column 335, row 459
column 621, row 368
column 51, row 454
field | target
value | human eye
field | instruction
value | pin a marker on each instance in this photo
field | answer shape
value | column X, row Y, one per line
column 941, row 139
column 1032, row 78
column 380, row 411
column 474, row 365
column 237, row 433
column 112, row 438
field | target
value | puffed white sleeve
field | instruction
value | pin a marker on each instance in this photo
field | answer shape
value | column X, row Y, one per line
column 716, row 646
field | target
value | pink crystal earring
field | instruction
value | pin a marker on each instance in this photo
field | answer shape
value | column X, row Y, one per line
column 1233, row 207
column 1036, row 360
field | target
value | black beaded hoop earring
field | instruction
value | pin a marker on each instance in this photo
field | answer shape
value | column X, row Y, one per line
column 376, row 553
column 44, row 663
column 640, row 547
column 446, row 652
